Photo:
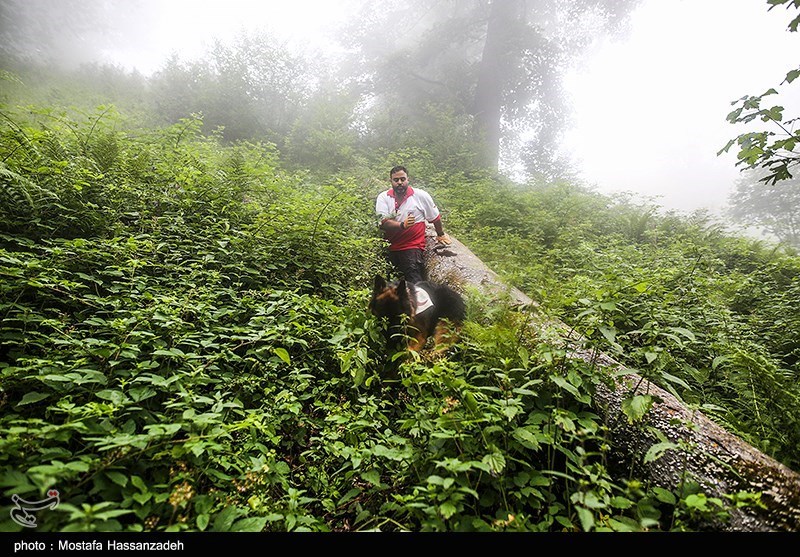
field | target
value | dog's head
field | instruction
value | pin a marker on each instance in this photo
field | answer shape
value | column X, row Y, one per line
column 390, row 299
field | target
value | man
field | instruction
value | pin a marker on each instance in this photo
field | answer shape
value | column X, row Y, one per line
column 403, row 212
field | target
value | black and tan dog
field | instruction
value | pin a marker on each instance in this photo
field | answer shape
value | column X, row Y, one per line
column 417, row 311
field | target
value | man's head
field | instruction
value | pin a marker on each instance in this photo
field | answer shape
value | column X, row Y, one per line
column 399, row 178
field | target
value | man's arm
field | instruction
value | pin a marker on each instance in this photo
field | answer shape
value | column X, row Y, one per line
column 441, row 236
column 388, row 224
column 437, row 225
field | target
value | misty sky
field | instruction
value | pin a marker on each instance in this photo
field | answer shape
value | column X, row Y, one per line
column 650, row 107
column 189, row 27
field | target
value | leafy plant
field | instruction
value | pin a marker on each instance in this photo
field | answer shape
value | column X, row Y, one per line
column 774, row 152
column 184, row 344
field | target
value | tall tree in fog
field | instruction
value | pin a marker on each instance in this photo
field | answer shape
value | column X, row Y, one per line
column 496, row 63
column 501, row 57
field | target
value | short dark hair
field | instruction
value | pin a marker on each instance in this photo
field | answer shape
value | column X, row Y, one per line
column 398, row 168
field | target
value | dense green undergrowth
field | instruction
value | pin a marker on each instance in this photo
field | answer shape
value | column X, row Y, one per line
column 712, row 316
column 184, row 345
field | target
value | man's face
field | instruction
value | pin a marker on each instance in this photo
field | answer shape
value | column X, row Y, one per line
column 400, row 183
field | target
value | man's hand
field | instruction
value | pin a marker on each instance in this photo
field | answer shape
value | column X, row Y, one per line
column 444, row 239
column 409, row 222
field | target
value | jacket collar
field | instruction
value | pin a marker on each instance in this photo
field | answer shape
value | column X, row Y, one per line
column 409, row 192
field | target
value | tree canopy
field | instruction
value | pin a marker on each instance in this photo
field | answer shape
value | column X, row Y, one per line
column 496, row 65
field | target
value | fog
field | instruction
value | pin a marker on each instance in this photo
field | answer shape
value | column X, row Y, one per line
column 650, row 109
column 645, row 108
column 188, row 28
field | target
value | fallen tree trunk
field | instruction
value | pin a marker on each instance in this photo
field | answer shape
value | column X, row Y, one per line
column 720, row 462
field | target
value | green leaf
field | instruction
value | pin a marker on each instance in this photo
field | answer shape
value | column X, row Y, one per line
column 30, row 398
column 682, row 331
column 775, row 113
column 105, row 515
column 139, row 483
column 727, row 147
column 636, row 407
column 586, row 517
column 719, row 360
column 117, row 477
column 142, row 498
column 225, row 518
column 171, row 352
column 676, row 380
column 390, row 453
column 566, row 385
column 447, row 509
column 565, row 522
column 657, row 450
column 664, row 495
column 115, row 397
column 252, row 524
column 496, row 462
column 139, row 394
column 591, row 500
column 371, row 476
column 283, row 355
column 610, row 333
column 470, row 402
column 510, row 411
column 526, row 438
column 349, row 495
column 619, row 502
column 16, row 480
column 359, row 373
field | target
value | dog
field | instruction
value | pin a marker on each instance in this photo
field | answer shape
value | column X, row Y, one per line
column 417, row 311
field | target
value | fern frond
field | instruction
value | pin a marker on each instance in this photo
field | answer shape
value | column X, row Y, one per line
column 18, row 194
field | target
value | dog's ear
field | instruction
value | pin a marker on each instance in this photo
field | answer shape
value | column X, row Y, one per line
column 379, row 284
column 402, row 289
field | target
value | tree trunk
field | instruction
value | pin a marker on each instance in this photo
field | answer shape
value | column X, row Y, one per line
column 498, row 55
column 721, row 463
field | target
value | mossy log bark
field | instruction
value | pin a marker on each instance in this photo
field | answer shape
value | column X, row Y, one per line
column 720, row 462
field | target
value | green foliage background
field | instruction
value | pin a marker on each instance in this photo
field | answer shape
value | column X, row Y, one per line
column 184, row 342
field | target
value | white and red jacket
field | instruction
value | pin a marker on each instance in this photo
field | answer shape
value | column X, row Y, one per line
column 416, row 202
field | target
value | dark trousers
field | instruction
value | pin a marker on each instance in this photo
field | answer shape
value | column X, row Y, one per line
column 410, row 263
